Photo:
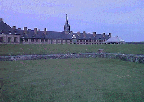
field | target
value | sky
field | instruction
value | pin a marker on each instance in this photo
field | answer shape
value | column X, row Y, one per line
column 123, row 18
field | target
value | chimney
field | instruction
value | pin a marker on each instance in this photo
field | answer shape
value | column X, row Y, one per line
column 14, row 27
column 71, row 32
column 29, row 31
column 94, row 34
column 35, row 30
column 45, row 31
column 19, row 28
column 103, row 34
column 84, row 34
column 1, row 19
column 25, row 30
column 78, row 33
column 109, row 34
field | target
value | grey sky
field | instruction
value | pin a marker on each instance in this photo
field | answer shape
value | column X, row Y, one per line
column 123, row 18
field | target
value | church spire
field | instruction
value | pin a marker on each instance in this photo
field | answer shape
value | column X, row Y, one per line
column 66, row 17
column 66, row 26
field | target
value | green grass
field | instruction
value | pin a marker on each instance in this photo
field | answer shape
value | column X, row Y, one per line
column 20, row 49
column 72, row 80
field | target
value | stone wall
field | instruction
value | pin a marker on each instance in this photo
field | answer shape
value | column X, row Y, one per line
column 9, row 39
column 124, row 57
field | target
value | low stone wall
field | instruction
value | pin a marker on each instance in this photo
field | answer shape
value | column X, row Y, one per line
column 124, row 57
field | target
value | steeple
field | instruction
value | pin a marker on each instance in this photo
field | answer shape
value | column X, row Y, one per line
column 66, row 17
column 66, row 26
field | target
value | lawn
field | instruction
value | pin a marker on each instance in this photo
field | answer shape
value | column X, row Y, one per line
column 72, row 80
column 20, row 49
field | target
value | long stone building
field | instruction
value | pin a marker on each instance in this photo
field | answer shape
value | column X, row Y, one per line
column 13, row 35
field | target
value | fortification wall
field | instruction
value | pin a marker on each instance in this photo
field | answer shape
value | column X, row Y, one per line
column 124, row 57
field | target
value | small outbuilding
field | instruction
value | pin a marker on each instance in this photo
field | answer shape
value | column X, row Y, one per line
column 115, row 40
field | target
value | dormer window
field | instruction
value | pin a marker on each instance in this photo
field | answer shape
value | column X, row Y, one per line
column 73, row 37
column 15, row 32
column 33, row 36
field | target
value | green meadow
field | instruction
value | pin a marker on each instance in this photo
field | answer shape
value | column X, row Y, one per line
column 72, row 80
column 20, row 49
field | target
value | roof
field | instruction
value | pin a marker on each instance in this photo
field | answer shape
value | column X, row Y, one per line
column 90, row 36
column 50, row 34
column 4, row 27
column 114, row 39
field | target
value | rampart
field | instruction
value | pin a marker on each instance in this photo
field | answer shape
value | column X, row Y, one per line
column 124, row 57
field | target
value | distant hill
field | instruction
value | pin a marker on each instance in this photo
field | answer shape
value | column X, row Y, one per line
column 135, row 42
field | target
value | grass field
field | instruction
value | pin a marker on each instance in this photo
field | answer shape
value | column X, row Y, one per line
column 72, row 80
column 20, row 49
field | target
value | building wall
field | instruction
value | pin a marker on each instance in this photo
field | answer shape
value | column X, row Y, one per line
column 15, row 39
column 9, row 39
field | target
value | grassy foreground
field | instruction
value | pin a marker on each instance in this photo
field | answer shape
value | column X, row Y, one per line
column 20, row 49
column 72, row 80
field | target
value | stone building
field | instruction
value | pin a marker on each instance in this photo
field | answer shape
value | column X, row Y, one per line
column 13, row 35
column 9, row 39
column 8, row 35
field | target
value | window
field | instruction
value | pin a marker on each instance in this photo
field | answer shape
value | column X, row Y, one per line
column 46, row 40
column 9, row 39
column 1, row 39
column 15, row 39
column 36, row 40
column 42, row 40
column 32, row 40
column 26, row 40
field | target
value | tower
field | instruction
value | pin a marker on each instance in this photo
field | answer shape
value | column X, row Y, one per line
column 66, row 26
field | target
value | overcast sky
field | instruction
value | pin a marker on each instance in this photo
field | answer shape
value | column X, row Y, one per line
column 123, row 18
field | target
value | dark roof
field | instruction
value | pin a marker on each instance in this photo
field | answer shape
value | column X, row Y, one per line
column 4, row 27
column 49, row 34
column 90, row 36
